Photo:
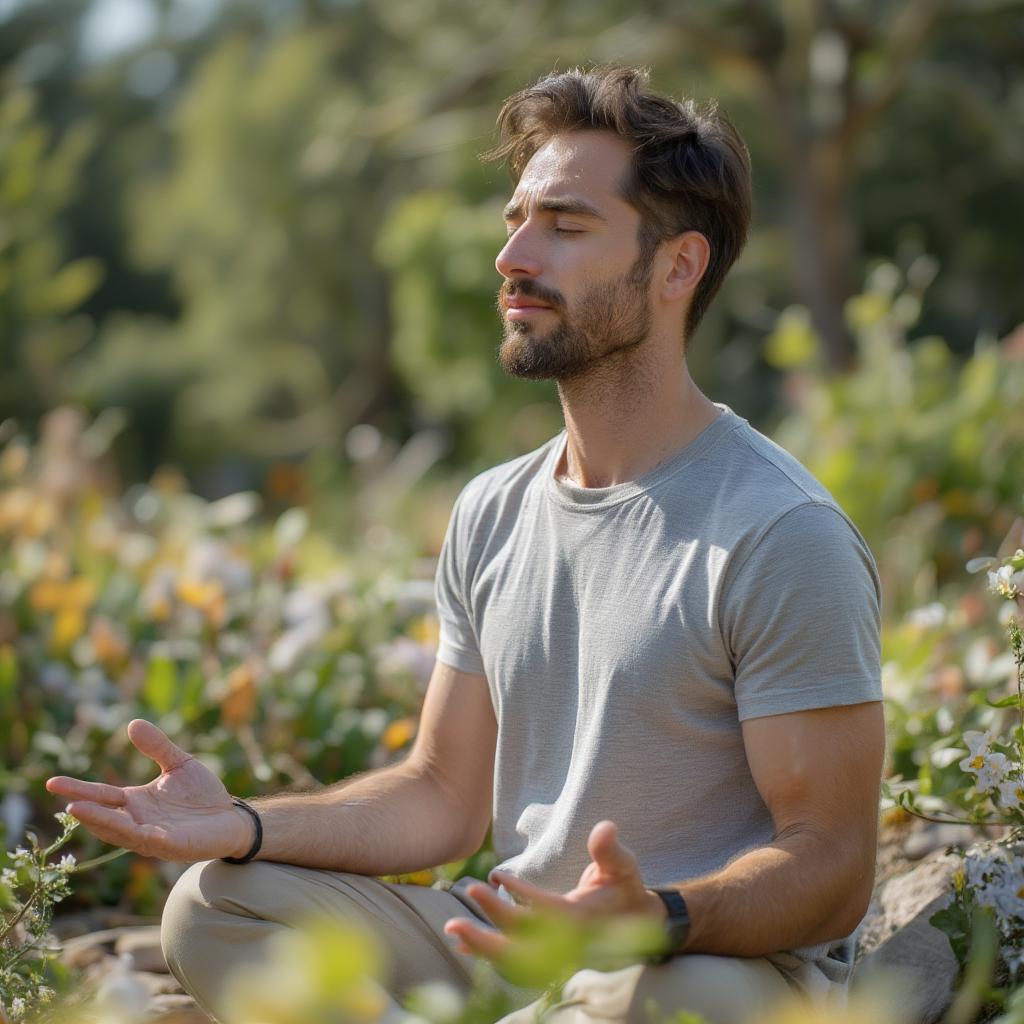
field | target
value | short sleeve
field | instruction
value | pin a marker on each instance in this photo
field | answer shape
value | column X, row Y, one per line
column 801, row 616
column 457, row 646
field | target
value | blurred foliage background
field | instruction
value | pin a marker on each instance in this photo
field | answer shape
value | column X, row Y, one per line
column 247, row 345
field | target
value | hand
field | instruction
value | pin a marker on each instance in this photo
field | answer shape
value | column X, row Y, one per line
column 185, row 814
column 609, row 886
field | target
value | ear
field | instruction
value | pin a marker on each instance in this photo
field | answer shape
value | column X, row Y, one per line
column 690, row 254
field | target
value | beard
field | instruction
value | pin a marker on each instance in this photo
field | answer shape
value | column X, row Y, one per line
column 611, row 316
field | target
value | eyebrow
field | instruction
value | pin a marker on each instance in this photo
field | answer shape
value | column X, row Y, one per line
column 555, row 204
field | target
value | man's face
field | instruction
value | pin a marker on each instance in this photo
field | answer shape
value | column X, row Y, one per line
column 575, row 289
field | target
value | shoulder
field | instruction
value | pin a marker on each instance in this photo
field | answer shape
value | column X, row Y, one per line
column 508, row 481
column 774, row 510
column 755, row 465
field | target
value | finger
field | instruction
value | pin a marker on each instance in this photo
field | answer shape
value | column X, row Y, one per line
column 76, row 789
column 155, row 744
column 501, row 912
column 486, row 942
column 530, row 894
column 112, row 826
column 608, row 853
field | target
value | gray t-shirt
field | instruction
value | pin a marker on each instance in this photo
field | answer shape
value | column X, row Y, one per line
column 625, row 633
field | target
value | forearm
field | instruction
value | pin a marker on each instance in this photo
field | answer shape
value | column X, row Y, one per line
column 801, row 889
column 389, row 821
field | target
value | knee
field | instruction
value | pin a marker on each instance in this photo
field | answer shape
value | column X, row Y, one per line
column 181, row 915
column 206, row 890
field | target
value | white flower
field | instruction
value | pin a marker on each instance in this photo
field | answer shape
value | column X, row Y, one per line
column 1015, row 960
column 992, row 773
column 1011, row 794
column 66, row 820
column 930, row 616
column 67, row 863
column 17, row 1008
column 978, row 743
column 1004, row 581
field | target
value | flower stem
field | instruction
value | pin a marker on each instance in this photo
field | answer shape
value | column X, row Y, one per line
column 103, row 859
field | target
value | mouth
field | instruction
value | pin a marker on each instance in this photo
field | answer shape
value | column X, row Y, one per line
column 518, row 306
column 521, row 312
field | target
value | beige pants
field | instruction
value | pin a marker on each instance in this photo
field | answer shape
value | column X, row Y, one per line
column 219, row 916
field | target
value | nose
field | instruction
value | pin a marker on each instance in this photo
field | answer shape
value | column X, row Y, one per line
column 519, row 257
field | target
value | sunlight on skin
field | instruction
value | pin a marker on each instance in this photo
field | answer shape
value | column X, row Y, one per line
column 609, row 886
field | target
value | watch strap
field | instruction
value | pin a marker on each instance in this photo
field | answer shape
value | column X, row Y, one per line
column 677, row 926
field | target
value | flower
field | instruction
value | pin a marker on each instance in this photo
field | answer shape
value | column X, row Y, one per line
column 1008, row 579
column 1015, row 961
column 1011, row 794
column 979, row 744
column 992, row 773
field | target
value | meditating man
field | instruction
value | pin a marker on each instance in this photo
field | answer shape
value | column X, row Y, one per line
column 658, row 671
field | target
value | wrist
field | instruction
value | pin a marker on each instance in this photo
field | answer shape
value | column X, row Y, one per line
column 250, row 837
column 246, row 832
column 656, row 905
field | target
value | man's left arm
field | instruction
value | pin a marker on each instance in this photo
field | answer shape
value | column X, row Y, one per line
column 819, row 773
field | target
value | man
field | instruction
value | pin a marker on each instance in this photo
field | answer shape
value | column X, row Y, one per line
column 658, row 673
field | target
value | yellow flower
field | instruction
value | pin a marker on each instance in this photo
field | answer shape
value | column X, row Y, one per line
column 207, row 596
column 398, row 733
column 425, row 630
column 425, row 877
column 68, row 601
column 67, row 628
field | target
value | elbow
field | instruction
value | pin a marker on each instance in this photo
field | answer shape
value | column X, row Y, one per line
column 854, row 900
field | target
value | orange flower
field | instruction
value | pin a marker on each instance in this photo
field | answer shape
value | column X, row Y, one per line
column 238, row 705
column 108, row 644
column 59, row 595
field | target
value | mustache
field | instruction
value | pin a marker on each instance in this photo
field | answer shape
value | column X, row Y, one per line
column 529, row 289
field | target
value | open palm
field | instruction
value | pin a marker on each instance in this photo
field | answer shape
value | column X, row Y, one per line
column 185, row 813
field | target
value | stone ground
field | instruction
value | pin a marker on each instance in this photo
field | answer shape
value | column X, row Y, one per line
column 121, row 953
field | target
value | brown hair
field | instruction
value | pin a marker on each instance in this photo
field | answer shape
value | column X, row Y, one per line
column 690, row 172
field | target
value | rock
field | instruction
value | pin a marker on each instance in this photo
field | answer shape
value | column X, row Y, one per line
column 896, row 937
column 175, row 1009
column 86, row 950
column 143, row 946
column 157, row 984
column 936, row 837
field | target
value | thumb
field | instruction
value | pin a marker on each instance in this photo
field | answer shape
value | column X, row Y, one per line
column 608, row 853
column 153, row 742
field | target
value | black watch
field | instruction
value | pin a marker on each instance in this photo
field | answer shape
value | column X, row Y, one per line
column 677, row 927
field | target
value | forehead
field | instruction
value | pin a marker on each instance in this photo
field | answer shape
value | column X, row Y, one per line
column 589, row 164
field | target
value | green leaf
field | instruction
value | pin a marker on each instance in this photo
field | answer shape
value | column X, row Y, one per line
column 954, row 922
column 793, row 343
column 160, row 689
column 8, row 677
column 1006, row 702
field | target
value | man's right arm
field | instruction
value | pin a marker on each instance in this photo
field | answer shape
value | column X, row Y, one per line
column 432, row 808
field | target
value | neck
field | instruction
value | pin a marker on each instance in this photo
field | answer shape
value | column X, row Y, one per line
column 628, row 414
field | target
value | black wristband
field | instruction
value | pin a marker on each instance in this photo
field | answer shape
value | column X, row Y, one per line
column 677, row 926
column 257, row 842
